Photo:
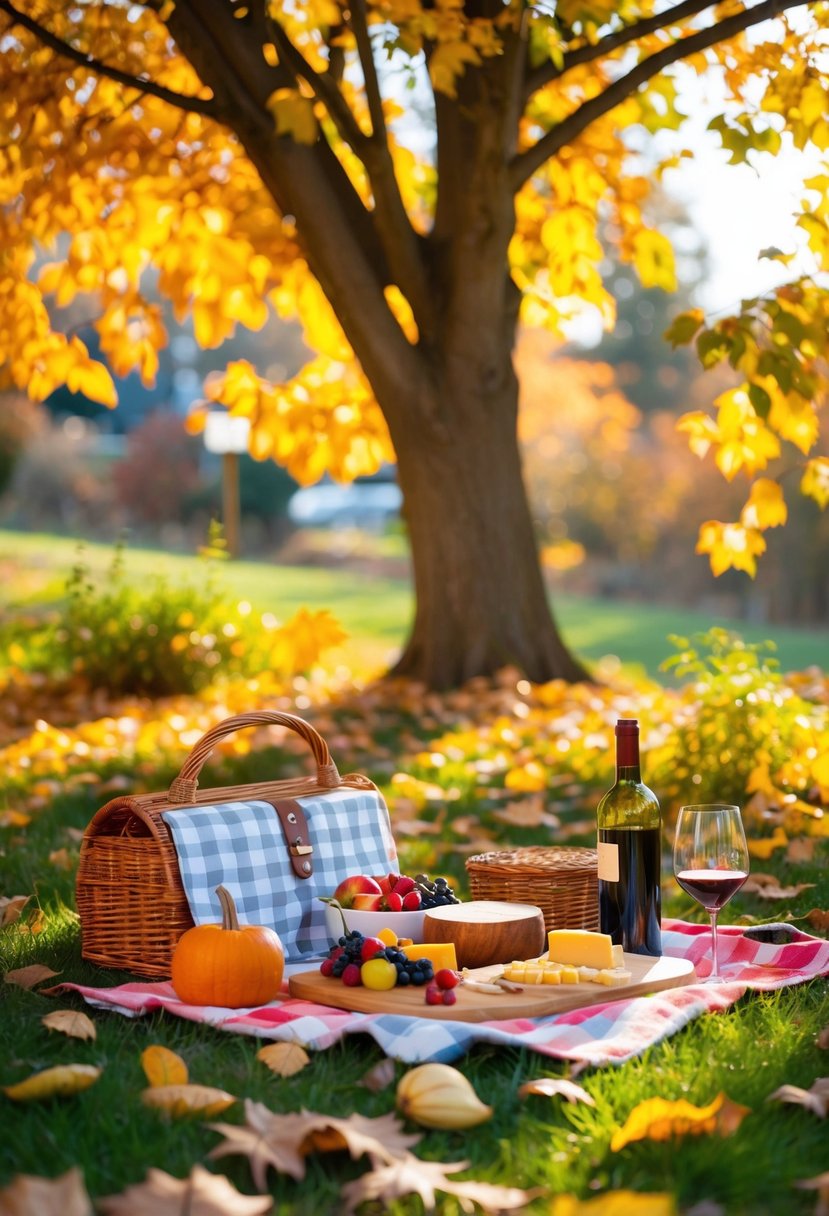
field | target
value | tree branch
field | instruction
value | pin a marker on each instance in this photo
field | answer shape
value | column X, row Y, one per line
column 526, row 163
column 359, row 23
column 588, row 53
column 195, row 105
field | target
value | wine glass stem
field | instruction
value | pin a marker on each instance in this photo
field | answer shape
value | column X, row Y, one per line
column 715, row 961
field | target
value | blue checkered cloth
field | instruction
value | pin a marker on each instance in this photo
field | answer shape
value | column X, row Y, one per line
column 240, row 845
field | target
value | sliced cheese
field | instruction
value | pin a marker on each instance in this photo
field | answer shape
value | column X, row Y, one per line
column 618, row 956
column 442, row 954
column 581, row 948
column 613, row 977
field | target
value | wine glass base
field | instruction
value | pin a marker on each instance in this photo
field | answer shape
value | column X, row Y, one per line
column 714, row 979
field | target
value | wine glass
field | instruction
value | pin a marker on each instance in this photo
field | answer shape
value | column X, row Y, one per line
column 711, row 861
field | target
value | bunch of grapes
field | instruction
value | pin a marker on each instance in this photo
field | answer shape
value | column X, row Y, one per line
column 435, row 893
column 346, row 958
column 410, row 971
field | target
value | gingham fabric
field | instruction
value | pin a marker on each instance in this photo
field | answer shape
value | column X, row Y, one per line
column 240, row 845
column 601, row 1034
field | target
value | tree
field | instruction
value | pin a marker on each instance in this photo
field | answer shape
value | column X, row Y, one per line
column 256, row 152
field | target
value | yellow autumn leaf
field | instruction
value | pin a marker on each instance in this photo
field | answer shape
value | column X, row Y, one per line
column 730, row 546
column 815, row 480
column 293, row 115
column 743, row 439
column 70, row 1022
column 820, row 773
column 163, row 1067
column 766, row 506
column 447, row 62
column 663, row 1119
column 61, row 1081
column 764, row 846
column 615, row 1203
column 285, row 1059
column 653, row 260
column 182, row 1100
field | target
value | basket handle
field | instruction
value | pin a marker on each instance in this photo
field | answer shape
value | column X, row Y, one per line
column 184, row 786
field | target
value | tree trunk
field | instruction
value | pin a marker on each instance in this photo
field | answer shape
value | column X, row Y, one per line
column 480, row 598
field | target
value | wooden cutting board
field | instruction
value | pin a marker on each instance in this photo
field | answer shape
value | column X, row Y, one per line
column 534, row 1001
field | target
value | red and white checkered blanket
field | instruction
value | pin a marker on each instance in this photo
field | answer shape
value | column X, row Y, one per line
column 601, row 1034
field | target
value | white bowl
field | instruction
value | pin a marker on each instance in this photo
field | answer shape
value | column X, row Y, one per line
column 404, row 924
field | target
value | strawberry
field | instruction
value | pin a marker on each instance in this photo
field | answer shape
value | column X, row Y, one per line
column 446, row 978
column 411, row 901
column 384, row 882
column 394, row 902
column 370, row 947
column 404, row 885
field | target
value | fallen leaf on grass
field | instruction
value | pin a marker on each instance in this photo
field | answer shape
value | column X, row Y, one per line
column 815, row 1099
column 27, row 1195
column 801, row 848
column 764, row 846
column 818, row 919
column 662, row 1119
column 62, row 859
column 527, row 813
column 200, row 1194
column 409, row 1175
column 549, row 1087
column 163, row 1067
column 71, row 1022
column 822, row 1039
column 282, row 1141
column 60, row 1081
column 285, row 1059
column 820, row 1183
column 14, row 819
column 182, row 1100
column 615, row 1203
column 767, row 886
column 380, row 1076
column 10, row 908
column 29, row 977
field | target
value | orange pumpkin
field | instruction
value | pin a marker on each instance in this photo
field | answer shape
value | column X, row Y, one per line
column 230, row 965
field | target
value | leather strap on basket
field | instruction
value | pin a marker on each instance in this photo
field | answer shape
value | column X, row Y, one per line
column 295, row 829
column 183, row 787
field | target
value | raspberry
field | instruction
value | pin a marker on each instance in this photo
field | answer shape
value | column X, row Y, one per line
column 411, row 901
column 351, row 976
column 327, row 966
column 434, row 996
column 446, row 978
column 449, row 996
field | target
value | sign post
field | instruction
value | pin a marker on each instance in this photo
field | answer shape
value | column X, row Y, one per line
column 227, row 436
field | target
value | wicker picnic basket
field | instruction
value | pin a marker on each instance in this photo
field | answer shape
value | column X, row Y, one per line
column 561, row 881
column 129, row 893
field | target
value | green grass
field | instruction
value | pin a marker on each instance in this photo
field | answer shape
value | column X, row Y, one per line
column 376, row 611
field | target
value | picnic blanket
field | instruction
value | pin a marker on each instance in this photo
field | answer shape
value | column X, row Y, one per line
column 609, row 1033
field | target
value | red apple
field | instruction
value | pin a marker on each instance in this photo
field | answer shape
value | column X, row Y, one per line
column 360, row 892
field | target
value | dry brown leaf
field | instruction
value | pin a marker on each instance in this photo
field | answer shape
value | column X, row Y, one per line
column 416, row 827
column 285, row 1059
column 10, row 908
column 29, row 977
column 815, row 1099
column 35, row 922
column 71, row 1022
column 802, row 848
column 663, row 1119
column 820, row 1184
column 182, row 1100
column 766, row 886
column 380, row 1076
column 409, row 1175
column 549, row 1087
column 60, row 1081
column 27, row 1195
column 527, row 813
column 163, row 1067
column 200, row 1194
column 265, row 1139
column 818, row 919
column 62, row 859
column 382, row 1138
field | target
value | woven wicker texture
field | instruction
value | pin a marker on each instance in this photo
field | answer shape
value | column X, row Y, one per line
column 129, row 893
column 561, row 881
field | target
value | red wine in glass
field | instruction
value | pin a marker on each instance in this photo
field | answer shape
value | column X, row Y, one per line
column 711, row 861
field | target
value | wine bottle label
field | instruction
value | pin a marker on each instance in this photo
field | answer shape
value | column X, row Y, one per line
column 608, row 861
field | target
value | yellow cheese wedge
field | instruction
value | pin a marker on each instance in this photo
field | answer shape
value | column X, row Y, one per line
column 581, row 948
column 442, row 954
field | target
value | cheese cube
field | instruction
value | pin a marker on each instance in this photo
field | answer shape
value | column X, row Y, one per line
column 613, row 977
column 580, row 948
column 515, row 971
column 569, row 975
column 552, row 975
column 533, row 974
column 442, row 954
column 587, row 975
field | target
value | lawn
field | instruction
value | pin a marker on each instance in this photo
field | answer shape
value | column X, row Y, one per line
column 467, row 771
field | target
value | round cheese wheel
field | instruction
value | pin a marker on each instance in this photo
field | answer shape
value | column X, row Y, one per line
column 487, row 931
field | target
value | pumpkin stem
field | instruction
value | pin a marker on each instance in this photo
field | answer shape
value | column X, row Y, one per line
column 229, row 918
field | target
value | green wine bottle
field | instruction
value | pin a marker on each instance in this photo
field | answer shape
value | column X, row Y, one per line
column 630, row 852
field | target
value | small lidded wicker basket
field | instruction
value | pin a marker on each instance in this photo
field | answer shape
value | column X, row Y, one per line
column 561, row 881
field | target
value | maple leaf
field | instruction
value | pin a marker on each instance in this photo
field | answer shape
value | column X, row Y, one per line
column 550, row 1087
column 265, row 1139
column 70, row 1022
column 409, row 1175
column 663, row 1119
column 285, row 1059
column 815, row 1099
column 200, row 1194
column 163, row 1067
column 29, row 977
column 182, row 1100
column 27, row 1195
